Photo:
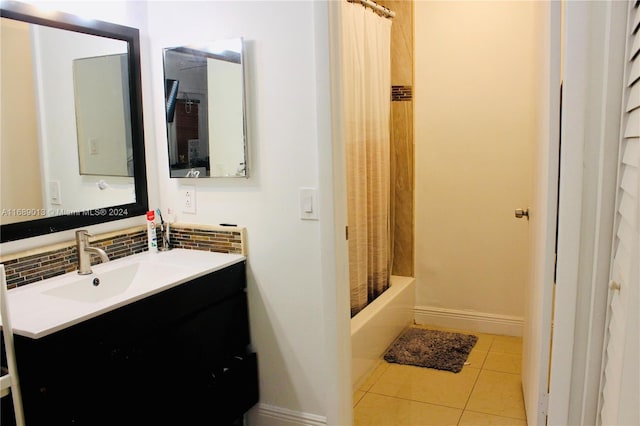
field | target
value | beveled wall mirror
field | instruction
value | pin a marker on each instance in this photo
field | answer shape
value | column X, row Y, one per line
column 72, row 142
column 205, row 110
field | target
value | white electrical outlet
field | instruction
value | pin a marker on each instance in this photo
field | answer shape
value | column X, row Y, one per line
column 189, row 199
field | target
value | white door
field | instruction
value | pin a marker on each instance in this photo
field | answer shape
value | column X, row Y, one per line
column 542, row 222
column 621, row 390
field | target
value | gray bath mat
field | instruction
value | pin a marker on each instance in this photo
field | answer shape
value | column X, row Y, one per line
column 441, row 350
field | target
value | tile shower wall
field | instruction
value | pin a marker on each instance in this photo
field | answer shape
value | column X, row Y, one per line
column 402, row 154
column 36, row 265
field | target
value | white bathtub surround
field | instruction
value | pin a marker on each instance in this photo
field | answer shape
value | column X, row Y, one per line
column 480, row 322
column 375, row 327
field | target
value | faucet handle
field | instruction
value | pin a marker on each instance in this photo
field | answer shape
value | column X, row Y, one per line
column 83, row 233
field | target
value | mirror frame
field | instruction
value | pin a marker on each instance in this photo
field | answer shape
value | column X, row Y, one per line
column 32, row 15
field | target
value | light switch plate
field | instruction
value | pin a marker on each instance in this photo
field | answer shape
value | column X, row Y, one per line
column 308, row 204
column 54, row 192
column 94, row 146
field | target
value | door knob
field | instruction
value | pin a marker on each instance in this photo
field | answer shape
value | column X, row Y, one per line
column 520, row 213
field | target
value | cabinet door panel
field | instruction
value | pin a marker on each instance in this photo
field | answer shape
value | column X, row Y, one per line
column 222, row 395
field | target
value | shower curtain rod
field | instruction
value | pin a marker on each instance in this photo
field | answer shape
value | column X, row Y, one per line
column 388, row 13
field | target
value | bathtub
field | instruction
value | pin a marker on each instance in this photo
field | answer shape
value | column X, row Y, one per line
column 375, row 327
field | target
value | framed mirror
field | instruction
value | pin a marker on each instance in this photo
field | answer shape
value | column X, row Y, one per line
column 205, row 110
column 72, row 142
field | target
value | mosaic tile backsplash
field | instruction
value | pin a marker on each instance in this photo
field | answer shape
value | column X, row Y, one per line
column 401, row 93
column 218, row 240
column 30, row 267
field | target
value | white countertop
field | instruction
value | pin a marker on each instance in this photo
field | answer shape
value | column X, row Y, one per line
column 36, row 311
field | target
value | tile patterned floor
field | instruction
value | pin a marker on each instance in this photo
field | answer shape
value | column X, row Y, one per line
column 488, row 391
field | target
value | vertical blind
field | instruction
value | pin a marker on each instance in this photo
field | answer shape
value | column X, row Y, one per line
column 626, row 258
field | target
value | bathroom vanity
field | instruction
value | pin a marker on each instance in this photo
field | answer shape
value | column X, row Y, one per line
column 175, row 351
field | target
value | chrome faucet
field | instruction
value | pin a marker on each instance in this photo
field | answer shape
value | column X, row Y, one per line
column 84, row 252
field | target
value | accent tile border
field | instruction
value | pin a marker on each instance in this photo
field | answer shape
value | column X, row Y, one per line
column 401, row 93
column 221, row 239
column 34, row 265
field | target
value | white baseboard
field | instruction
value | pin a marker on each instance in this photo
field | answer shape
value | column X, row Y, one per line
column 270, row 415
column 480, row 322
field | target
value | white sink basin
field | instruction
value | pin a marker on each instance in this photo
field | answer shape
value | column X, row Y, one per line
column 51, row 305
column 95, row 287
column 104, row 285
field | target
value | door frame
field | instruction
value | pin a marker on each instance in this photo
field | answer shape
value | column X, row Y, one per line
column 333, row 210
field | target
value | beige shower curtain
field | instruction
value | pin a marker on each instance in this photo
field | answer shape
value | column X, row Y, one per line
column 366, row 85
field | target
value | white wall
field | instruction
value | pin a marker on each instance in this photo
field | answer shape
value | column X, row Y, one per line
column 287, row 284
column 475, row 109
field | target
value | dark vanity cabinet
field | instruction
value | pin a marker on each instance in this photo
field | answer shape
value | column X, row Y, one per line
column 180, row 357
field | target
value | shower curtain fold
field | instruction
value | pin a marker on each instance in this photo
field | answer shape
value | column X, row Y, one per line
column 366, row 83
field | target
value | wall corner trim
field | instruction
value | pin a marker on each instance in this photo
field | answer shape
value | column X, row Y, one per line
column 481, row 322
